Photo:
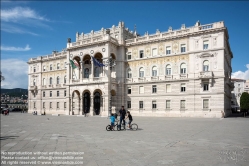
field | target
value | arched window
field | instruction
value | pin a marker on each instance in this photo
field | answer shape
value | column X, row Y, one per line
column 205, row 65
column 86, row 73
column 141, row 72
column 129, row 75
column 44, row 81
column 96, row 72
column 58, row 80
column 51, row 67
column 50, row 81
column 65, row 79
column 168, row 70
column 34, row 82
column 154, row 71
column 183, row 68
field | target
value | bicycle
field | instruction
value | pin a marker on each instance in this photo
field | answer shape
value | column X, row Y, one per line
column 133, row 126
column 116, row 125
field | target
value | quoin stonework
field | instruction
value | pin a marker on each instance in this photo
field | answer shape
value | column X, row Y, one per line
column 176, row 73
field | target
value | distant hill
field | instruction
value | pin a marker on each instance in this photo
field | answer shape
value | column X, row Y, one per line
column 16, row 92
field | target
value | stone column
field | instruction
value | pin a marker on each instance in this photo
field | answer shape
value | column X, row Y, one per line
column 79, row 106
column 92, row 71
column 91, row 105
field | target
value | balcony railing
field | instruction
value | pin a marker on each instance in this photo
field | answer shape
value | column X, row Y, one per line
column 154, row 78
column 141, row 79
column 32, row 88
column 129, row 80
column 206, row 74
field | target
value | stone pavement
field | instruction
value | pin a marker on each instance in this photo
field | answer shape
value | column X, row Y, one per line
column 159, row 141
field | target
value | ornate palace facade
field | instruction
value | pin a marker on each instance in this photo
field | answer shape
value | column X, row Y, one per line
column 178, row 73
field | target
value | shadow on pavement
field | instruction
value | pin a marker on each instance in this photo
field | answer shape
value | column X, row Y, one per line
column 8, row 137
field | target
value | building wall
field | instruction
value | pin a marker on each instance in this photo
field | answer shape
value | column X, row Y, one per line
column 204, row 45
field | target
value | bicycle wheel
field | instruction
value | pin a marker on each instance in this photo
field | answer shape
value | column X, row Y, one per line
column 134, row 126
column 108, row 128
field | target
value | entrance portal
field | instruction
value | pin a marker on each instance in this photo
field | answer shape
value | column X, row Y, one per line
column 97, row 103
column 86, row 102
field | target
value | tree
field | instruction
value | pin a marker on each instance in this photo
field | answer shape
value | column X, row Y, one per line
column 244, row 102
column 2, row 77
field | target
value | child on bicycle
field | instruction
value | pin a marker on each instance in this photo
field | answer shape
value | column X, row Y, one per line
column 130, row 119
column 112, row 120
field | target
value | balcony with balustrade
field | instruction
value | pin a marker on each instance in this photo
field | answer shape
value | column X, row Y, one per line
column 205, row 74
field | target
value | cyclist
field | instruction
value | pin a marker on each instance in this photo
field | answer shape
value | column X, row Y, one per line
column 130, row 119
column 112, row 121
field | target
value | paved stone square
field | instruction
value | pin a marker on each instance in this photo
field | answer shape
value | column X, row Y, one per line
column 159, row 141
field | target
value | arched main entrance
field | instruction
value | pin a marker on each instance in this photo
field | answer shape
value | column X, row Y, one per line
column 97, row 103
column 86, row 102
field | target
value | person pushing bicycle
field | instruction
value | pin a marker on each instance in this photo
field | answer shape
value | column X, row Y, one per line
column 122, row 113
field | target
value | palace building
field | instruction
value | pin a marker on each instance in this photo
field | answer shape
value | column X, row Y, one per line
column 176, row 73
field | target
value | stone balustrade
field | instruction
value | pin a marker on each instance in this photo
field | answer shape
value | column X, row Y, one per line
column 175, row 33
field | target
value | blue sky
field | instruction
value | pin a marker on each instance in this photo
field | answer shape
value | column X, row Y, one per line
column 35, row 28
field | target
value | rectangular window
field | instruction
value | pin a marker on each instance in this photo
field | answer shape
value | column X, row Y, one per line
column 205, row 87
column 205, row 67
column 183, row 48
column 58, row 93
column 129, row 90
column 167, row 104
column 205, row 44
column 129, row 56
column 65, row 93
column 141, row 89
column 50, row 93
column 65, row 65
column 51, row 68
column 34, row 95
column 183, row 87
column 65, row 104
column 182, row 104
column 141, row 74
column 34, row 69
column 238, row 85
column 141, row 53
column 239, row 90
column 44, row 68
column 168, row 88
column 58, row 66
column 205, row 103
column 43, row 94
column 128, row 104
column 141, row 104
column 43, row 105
column 58, row 105
column 50, row 105
column 153, row 104
column 34, row 105
column 154, row 88
column 168, row 50
column 154, row 52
